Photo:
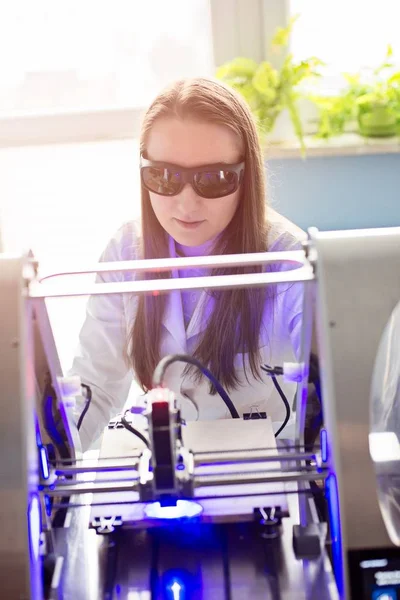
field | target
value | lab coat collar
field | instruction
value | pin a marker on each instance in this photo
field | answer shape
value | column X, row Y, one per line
column 174, row 320
column 173, row 317
column 201, row 315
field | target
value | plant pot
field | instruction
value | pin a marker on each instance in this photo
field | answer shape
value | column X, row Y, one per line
column 377, row 121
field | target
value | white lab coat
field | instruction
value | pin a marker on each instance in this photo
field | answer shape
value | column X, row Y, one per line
column 385, row 399
column 100, row 361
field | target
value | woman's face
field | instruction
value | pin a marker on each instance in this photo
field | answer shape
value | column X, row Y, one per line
column 189, row 218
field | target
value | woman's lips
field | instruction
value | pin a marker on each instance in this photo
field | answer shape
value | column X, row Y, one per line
column 189, row 224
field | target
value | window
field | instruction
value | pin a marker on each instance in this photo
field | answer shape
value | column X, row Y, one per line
column 346, row 34
column 89, row 64
column 62, row 55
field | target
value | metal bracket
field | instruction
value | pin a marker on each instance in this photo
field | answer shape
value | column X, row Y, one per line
column 106, row 525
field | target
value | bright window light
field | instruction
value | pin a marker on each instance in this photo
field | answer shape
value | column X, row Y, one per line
column 347, row 35
column 69, row 54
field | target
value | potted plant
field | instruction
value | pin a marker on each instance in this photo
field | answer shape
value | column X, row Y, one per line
column 339, row 112
column 370, row 100
column 268, row 90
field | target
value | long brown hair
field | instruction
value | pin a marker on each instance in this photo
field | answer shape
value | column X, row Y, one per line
column 235, row 323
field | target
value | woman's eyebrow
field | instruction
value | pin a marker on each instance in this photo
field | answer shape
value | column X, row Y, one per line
column 219, row 162
column 196, row 166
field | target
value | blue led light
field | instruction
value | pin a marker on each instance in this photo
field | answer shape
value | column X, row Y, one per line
column 324, row 445
column 44, row 463
column 180, row 467
column 34, row 527
column 50, row 423
column 336, row 533
column 183, row 509
column 180, row 584
column 386, row 594
column 37, row 431
column 177, row 590
column 47, row 503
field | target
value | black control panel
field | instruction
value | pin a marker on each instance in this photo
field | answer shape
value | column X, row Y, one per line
column 374, row 574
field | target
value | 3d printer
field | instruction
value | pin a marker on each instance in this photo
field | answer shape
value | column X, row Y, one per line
column 182, row 512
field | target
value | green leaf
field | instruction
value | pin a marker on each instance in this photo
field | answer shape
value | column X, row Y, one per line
column 306, row 68
column 266, row 82
column 395, row 78
column 250, row 94
column 287, row 72
column 238, row 67
column 296, row 121
column 382, row 67
column 352, row 79
column 282, row 34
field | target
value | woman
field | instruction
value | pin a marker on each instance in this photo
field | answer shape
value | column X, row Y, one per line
column 203, row 192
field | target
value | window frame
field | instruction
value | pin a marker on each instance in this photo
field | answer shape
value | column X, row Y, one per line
column 252, row 25
column 35, row 129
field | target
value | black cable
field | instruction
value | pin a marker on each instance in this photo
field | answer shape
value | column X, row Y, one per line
column 226, row 563
column 136, row 432
column 317, row 385
column 313, row 368
column 314, row 378
column 286, row 403
column 315, row 419
column 88, row 401
column 159, row 372
column 272, row 372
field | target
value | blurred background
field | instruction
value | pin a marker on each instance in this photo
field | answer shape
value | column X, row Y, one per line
column 321, row 76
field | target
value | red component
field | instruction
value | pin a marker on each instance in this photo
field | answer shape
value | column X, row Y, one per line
column 160, row 413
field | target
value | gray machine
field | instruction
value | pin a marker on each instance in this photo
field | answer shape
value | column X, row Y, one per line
column 194, row 515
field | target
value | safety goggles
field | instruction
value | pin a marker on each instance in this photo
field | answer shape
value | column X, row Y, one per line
column 210, row 181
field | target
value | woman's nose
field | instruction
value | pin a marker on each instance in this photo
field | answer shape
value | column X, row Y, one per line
column 188, row 198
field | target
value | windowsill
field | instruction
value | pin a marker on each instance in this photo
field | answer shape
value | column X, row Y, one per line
column 124, row 123
column 70, row 127
column 348, row 144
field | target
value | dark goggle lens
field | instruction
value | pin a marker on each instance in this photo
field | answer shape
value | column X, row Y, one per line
column 215, row 184
column 208, row 184
column 161, row 180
